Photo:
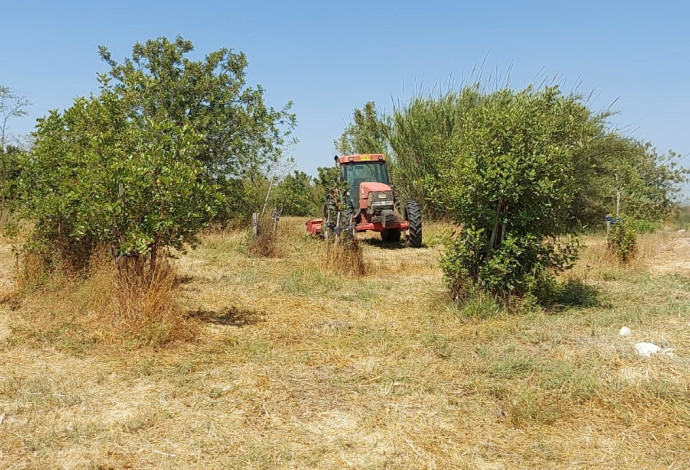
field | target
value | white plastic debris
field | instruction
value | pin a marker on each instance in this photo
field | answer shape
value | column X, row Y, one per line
column 668, row 352
column 647, row 349
column 624, row 331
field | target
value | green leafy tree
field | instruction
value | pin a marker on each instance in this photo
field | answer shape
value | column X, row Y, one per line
column 10, row 171
column 624, row 174
column 326, row 181
column 152, row 158
column 511, row 187
column 12, row 106
column 241, row 136
column 327, row 176
column 98, row 178
column 296, row 195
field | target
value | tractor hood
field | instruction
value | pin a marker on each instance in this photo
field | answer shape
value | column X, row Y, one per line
column 369, row 187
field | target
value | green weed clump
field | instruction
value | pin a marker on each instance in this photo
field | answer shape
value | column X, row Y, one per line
column 622, row 241
column 645, row 226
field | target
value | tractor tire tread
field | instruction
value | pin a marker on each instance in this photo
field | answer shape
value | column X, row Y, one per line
column 414, row 217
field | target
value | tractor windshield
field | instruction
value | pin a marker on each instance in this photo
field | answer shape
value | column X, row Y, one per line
column 356, row 173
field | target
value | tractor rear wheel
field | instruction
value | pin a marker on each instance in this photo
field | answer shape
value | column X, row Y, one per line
column 392, row 235
column 414, row 217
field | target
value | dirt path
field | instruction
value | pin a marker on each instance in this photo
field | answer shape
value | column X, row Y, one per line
column 673, row 257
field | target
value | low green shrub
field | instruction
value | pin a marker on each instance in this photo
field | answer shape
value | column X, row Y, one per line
column 622, row 241
column 645, row 226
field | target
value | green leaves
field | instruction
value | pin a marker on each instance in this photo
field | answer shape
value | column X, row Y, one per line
column 297, row 195
column 622, row 240
column 153, row 157
column 510, row 185
column 366, row 134
column 240, row 135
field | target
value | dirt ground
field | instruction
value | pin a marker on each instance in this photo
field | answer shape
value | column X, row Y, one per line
column 296, row 367
column 674, row 255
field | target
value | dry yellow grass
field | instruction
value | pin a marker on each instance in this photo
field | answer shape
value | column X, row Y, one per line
column 344, row 257
column 298, row 367
column 266, row 243
column 126, row 304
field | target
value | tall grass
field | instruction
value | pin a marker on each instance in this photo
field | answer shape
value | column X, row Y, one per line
column 147, row 311
column 266, row 242
column 345, row 258
column 112, row 302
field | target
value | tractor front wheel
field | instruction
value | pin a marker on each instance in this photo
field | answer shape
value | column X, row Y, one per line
column 328, row 223
column 346, row 225
column 414, row 217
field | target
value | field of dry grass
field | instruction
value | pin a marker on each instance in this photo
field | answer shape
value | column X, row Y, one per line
column 296, row 367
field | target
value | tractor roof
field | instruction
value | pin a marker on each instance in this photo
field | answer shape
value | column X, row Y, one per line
column 364, row 157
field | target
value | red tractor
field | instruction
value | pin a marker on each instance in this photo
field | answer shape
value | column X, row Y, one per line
column 365, row 201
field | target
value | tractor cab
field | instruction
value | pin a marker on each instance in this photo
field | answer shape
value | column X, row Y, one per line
column 370, row 169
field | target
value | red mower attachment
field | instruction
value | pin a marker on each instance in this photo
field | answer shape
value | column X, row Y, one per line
column 314, row 226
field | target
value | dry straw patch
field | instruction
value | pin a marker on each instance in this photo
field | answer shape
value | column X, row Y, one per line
column 146, row 304
column 661, row 253
column 265, row 245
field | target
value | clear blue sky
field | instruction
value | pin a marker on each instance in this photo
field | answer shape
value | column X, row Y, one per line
column 329, row 58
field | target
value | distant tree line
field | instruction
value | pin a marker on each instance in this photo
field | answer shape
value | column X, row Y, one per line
column 428, row 135
column 12, row 106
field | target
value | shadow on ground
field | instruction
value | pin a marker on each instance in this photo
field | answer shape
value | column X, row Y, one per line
column 230, row 316
column 184, row 279
column 575, row 293
column 12, row 300
column 377, row 242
